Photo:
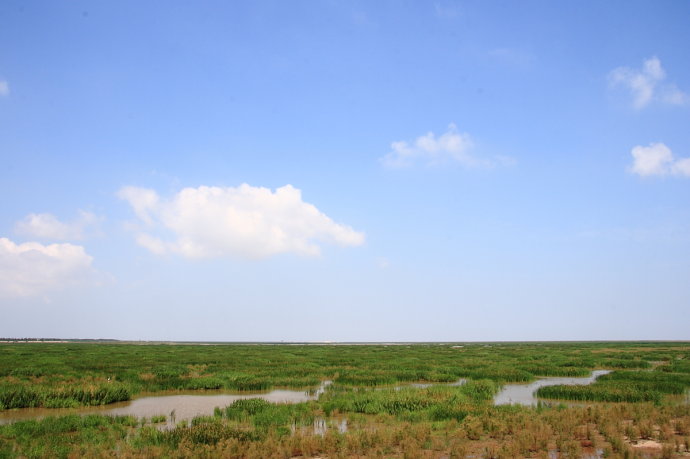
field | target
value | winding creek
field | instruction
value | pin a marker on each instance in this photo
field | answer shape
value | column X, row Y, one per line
column 183, row 406
column 187, row 405
column 524, row 394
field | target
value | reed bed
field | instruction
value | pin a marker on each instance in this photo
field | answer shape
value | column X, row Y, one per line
column 264, row 415
column 23, row 395
column 623, row 386
column 600, row 394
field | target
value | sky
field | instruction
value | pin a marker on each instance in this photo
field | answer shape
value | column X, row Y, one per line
column 345, row 171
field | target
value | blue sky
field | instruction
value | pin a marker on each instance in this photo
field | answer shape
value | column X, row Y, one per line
column 345, row 171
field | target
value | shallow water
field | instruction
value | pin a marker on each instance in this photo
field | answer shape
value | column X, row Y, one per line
column 186, row 406
column 523, row 394
column 321, row 426
column 177, row 407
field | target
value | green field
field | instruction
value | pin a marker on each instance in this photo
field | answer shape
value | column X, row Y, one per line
column 644, row 398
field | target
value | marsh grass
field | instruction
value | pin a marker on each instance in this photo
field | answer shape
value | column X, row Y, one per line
column 599, row 394
column 264, row 415
column 63, row 396
column 385, row 418
column 623, row 386
column 436, row 403
column 255, row 428
column 55, row 436
column 41, row 369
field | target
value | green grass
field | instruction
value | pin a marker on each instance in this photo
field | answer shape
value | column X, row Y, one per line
column 602, row 393
column 623, row 386
column 68, row 374
column 405, row 423
column 56, row 436
column 386, row 417
column 23, row 395
column 264, row 415
column 433, row 403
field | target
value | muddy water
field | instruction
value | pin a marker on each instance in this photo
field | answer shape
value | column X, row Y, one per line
column 176, row 408
column 185, row 406
column 523, row 394
column 321, row 426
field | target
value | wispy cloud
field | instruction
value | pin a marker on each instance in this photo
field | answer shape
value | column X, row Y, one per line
column 46, row 226
column 34, row 269
column 450, row 147
column 246, row 221
column 445, row 9
column 513, row 57
column 4, row 88
column 647, row 84
column 657, row 160
column 383, row 262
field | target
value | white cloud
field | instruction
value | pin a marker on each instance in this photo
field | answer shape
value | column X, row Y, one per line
column 33, row 269
column 646, row 85
column 452, row 146
column 657, row 159
column 142, row 201
column 4, row 88
column 47, row 226
column 246, row 221
column 682, row 167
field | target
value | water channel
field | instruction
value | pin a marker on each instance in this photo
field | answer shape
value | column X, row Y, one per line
column 181, row 406
column 524, row 394
column 184, row 406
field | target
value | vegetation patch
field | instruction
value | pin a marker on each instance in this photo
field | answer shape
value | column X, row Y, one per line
column 370, row 410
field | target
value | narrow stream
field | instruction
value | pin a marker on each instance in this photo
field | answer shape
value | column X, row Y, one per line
column 185, row 406
column 523, row 394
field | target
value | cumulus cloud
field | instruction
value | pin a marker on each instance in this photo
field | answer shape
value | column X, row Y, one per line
column 647, row 84
column 4, row 88
column 245, row 221
column 34, row 269
column 47, row 226
column 657, row 159
column 450, row 147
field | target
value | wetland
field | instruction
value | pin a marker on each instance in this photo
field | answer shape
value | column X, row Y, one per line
column 407, row 400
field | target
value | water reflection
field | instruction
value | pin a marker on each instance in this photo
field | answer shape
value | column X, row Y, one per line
column 523, row 394
column 186, row 406
column 176, row 408
column 322, row 425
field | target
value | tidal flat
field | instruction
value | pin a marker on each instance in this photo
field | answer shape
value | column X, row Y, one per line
column 591, row 399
